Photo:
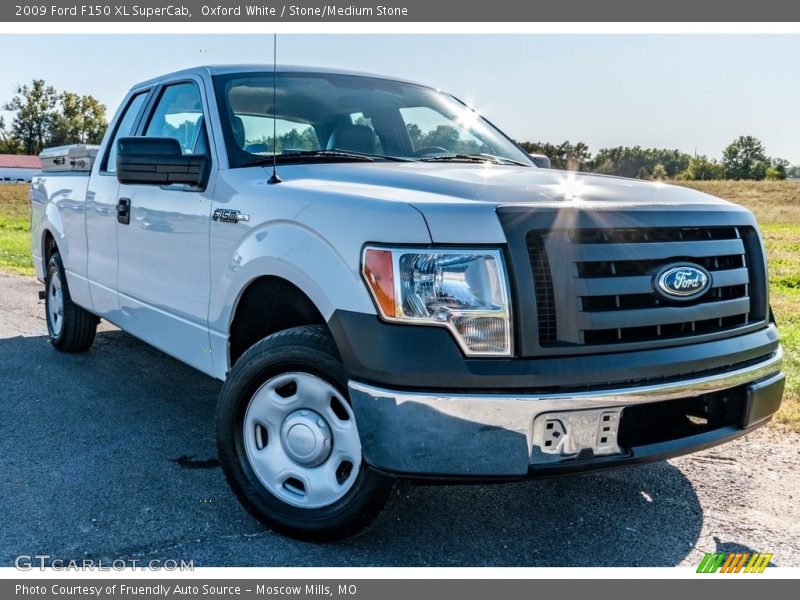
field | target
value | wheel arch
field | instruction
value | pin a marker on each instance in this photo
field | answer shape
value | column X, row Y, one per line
column 266, row 305
column 49, row 247
column 316, row 273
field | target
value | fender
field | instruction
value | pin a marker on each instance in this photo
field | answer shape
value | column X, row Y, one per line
column 304, row 231
column 38, row 199
column 63, row 217
column 55, row 226
column 299, row 255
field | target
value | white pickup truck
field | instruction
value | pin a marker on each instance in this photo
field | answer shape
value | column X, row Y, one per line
column 407, row 294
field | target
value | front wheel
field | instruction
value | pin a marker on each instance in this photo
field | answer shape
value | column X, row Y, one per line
column 288, row 440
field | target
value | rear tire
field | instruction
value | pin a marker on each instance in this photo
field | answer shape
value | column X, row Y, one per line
column 71, row 328
column 288, row 441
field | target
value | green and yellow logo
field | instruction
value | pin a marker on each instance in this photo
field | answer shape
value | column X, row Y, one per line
column 730, row 562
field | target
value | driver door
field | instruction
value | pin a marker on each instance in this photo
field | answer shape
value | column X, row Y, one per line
column 163, row 276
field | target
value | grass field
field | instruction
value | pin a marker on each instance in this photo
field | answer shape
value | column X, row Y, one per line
column 15, row 238
column 776, row 205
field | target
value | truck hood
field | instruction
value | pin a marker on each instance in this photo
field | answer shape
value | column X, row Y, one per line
column 501, row 184
column 458, row 200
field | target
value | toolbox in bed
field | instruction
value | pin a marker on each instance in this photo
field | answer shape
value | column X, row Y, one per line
column 75, row 157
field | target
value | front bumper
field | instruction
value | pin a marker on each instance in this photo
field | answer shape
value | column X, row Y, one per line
column 498, row 435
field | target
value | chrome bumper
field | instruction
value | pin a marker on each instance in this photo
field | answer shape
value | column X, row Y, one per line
column 497, row 435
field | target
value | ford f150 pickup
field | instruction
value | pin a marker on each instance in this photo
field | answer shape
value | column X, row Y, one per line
column 389, row 288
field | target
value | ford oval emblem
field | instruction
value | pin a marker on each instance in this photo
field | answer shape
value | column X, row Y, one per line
column 682, row 282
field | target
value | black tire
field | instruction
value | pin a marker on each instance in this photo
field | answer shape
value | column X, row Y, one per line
column 75, row 328
column 308, row 350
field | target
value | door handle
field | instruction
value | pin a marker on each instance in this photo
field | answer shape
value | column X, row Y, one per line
column 124, row 211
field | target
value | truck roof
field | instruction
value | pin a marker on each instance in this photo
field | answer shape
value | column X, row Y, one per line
column 266, row 68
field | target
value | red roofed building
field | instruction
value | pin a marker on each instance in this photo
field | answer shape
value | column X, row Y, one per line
column 19, row 161
column 18, row 167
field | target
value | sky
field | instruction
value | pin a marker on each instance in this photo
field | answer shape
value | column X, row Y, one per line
column 696, row 93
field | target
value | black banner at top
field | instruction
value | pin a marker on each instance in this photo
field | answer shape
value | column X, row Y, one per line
column 399, row 11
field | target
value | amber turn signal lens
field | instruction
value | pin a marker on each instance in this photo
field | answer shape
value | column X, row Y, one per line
column 379, row 273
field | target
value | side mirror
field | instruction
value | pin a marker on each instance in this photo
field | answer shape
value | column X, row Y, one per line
column 540, row 160
column 158, row 161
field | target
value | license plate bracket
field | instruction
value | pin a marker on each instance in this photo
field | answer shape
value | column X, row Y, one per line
column 568, row 435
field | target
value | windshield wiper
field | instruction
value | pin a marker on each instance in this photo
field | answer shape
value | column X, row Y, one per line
column 367, row 155
column 320, row 155
column 302, row 155
column 482, row 157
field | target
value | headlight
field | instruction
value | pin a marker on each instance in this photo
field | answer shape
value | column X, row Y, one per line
column 462, row 290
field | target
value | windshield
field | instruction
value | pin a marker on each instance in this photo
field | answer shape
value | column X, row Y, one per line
column 320, row 114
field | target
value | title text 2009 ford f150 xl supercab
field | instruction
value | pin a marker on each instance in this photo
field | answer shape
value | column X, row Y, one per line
column 411, row 296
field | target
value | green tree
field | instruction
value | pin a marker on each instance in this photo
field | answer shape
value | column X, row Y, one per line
column 793, row 171
column 745, row 158
column 778, row 169
column 305, row 139
column 299, row 140
column 700, row 168
column 34, row 114
column 572, row 157
column 8, row 143
column 78, row 120
column 775, row 173
column 674, row 161
column 659, row 172
column 309, row 139
column 415, row 133
column 443, row 136
column 639, row 162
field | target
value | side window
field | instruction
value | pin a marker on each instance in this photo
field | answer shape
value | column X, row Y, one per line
column 179, row 115
column 124, row 129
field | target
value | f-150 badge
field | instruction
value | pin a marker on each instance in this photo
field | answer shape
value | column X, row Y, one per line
column 229, row 216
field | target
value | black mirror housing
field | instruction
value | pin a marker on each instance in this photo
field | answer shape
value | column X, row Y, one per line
column 159, row 161
column 540, row 160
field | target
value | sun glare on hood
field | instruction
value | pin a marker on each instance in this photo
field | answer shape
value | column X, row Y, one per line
column 571, row 188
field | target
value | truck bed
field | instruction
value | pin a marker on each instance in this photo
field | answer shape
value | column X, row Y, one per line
column 60, row 199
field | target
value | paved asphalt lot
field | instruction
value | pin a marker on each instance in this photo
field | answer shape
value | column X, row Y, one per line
column 93, row 464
